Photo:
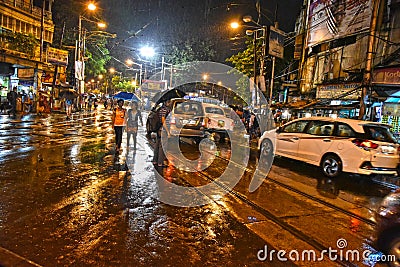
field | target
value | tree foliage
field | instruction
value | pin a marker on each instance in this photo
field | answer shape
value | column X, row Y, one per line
column 191, row 50
column 243, row 61
column 97, row 56
column 21, row 42
column 184, row 55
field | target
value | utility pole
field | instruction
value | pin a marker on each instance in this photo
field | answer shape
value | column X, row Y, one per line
column 304, row 44
column 370, row 56
column 255, row 67
column 42, row 31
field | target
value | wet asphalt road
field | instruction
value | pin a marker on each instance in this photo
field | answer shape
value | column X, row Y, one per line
column 68, row 200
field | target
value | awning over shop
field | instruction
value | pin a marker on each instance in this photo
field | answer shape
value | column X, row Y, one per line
column 385, row 91
column 394, row 98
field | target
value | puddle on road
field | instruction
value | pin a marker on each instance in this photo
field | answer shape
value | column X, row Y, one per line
column 64, row 203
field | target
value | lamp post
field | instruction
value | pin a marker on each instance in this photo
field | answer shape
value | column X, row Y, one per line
column 254, row 30
column 163, row 63
column 80, row 49
column 130, row 62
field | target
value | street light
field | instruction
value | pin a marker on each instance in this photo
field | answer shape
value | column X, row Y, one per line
column 80, row 49
column 130, row 62
column 147, row 51
column 235, row 25
column 254, row 31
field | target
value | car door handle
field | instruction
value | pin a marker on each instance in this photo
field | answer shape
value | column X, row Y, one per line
column 295, row 138
column 326, row 140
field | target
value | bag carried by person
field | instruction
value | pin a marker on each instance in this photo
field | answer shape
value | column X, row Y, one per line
column 153, row 122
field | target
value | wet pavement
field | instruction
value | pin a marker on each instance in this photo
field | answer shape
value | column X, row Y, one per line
column 69, row 200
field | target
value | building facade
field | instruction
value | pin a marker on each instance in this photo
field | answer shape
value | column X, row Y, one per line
column 27, row 59
column 344, row 46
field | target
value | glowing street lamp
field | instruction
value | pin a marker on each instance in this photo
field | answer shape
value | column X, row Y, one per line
column 147, row 51
column 130, row 62
column 235, row 25
column 92, row 7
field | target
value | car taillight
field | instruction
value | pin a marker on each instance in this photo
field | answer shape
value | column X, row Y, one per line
column 366, row 144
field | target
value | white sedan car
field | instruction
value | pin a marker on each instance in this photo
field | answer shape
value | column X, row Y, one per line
column 337, row 145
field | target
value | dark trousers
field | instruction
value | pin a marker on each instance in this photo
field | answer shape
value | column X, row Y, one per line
column 13, row 108
column 118, row 135
column 159, row 153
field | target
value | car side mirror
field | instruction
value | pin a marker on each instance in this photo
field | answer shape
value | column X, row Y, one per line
column 279, row 129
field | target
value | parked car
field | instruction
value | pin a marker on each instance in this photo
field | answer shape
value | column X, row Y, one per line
column 387, row 230
column 216, row 121
column 337, row 145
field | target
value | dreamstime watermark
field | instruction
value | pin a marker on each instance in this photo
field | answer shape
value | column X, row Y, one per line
column 184, row 196
column 340, row 253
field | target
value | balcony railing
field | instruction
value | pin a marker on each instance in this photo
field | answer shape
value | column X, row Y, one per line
column 27, row 6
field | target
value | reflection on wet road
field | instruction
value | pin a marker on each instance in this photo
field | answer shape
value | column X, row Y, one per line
column 67, row 200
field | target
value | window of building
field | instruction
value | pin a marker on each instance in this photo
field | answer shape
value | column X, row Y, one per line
column 17, row 25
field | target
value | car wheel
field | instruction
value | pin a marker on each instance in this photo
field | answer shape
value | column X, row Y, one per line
column 394, row 249
column 331, row 166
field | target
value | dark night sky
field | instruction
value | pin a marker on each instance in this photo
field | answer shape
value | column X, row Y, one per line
column 173, row 21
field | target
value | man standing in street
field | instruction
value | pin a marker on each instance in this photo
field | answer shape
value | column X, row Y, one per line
column 12, row 99
column 162, row 135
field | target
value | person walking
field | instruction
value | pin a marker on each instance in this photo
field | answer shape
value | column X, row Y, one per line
column 162, row 135
column 68, row 108
column 118, row 122
column 132, row 123
column 12, row 99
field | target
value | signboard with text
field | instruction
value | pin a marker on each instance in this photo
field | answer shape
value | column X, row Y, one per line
column 154, row 85
column 386, row 76
column 58, row 56
column 334, row 91
column 276, row 42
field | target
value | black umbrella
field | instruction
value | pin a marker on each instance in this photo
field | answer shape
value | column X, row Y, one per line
column 167, row 95
column 68, row 94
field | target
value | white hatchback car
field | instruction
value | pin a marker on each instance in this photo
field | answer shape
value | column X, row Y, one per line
column 337, row 145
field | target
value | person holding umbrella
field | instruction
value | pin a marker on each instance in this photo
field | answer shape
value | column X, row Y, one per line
column 159, row 157
column 68, row 107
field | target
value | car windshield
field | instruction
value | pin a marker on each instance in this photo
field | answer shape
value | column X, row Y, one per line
column 214, row 110
column 379, row 133
column 188, row 108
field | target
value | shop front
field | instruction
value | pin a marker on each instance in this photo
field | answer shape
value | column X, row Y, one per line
column 386, row 83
